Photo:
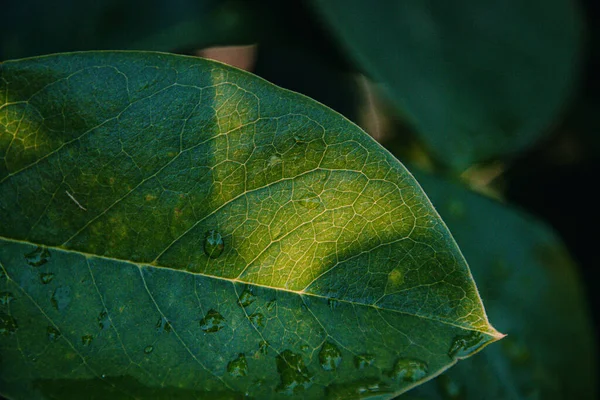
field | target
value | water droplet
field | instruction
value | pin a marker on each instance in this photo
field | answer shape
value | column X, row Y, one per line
column 61, row 298
column 330, row 356
column 304, row 348
column 364, row 388
column 362, row 361
column 463, row 346
column 304, row 308
column 409, row 370
column 37, row 257
column 263, row 347
column 6, row 298
column 8, row 325
column 238, row 367
column 148, row 349
column 246, row 298
column 516, row 351
column 310, row 202
column 293, row 373
column 274, row 160
column 163, row 325
column 449, row 388
column 395, row 280
column 213, row 244
column 257, row 319
column 46, row 277
column 86, row 340
column 333, row 304
column 213, row 321
column 53, row 333
column 271, row 305
column 103, row 320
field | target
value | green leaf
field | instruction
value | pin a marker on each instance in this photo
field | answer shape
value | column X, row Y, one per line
column 480, row 79
column 172, row 226
column 35, row 27
column 531, row 290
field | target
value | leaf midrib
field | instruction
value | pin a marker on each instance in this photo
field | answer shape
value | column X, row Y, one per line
column 235, row 280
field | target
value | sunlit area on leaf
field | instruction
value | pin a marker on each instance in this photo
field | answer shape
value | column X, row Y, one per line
column 298, row 200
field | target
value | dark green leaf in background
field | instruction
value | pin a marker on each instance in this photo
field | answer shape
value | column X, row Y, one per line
column 531, row 291
column 37, row 27
column 480, row 79
column 172, row 227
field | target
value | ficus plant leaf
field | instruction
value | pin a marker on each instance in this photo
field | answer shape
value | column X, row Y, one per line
column 479, row 79
column 174, row 227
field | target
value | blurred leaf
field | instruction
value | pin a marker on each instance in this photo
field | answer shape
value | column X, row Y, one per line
column 36, row 27
column 481, row 79
column 530, row 288
column 173, row 227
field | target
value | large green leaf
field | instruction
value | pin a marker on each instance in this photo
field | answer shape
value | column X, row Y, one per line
column 531, row 291
column 479, row 78
column 171, row 227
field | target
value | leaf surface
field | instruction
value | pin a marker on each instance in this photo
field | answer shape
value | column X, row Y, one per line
column 479, row 79
column 172, row 226
column 532, row 292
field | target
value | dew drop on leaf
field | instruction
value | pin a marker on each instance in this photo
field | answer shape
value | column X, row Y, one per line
column 395, row 280
column 246, row 298
column 304, row 348
column 213, row 244
column 310, row 202
column 271, row 305
column 8, row 325
column 274, row 160
column 360, row 389
column 6, row 298
column 238, row 367
column 37, row 257
column 61, row 298
column 409, row 370
column 103, row 320
column 257, row 319
column 293, row 373
column 333, row 304
column 46, row 277
column 213, row 321
column 361, row 361
column 148, row 349
column 464, row 345
column 263, row 347
column 330, row 356
column 163, row 325
column 86, row 340
column 53, row 334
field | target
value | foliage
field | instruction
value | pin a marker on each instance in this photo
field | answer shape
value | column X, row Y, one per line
column 171, row 227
